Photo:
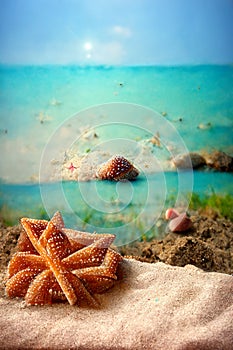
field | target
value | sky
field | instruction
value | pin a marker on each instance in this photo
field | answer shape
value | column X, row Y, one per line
column 116, row 32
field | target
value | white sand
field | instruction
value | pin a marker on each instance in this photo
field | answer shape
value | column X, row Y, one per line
column 153, row 306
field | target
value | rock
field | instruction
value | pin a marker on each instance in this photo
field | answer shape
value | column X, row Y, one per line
column 219, row 161
column 189, row 160
column 197, row 160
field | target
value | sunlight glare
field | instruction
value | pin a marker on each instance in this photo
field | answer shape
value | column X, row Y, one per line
column 88, row 46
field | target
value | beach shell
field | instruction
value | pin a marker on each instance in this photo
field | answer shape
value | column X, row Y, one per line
column 171, row 214
column 181, row 223
column 117, row 168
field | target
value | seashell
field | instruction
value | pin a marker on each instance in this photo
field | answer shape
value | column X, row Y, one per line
column 117, row 168
column 180, row 223
column 171, row 214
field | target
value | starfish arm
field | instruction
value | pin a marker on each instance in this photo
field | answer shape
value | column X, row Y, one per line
column 55, row 289
column 90, row 273
column 18, row 284
column 39, row 292
column 53, row 243
column 24, row 244
column 98, row 285
column 50, row 253
column 23, row 260
column 106, row 271
column 58, row 220
column 111, row 260
column 86, row 238
column 62, row 277
column 92, row 255
column 85, row 257
column 81, row 291
column 34, row 229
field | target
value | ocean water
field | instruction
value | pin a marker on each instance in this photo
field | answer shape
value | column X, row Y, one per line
column 48, row 105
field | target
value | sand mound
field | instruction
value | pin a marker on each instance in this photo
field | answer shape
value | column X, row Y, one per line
column 152, row 306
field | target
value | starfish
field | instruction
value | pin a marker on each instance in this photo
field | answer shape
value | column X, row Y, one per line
column 72, row 167
column 54, row 263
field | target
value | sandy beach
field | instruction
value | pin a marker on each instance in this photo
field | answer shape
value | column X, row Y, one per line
column 152, row 305
column 116, row 173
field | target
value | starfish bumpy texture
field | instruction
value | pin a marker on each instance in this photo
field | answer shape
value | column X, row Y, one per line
column 55, row 263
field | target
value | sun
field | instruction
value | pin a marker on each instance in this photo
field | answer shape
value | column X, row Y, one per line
column 88, row 46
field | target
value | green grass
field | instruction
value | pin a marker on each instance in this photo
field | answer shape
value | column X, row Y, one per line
column 11, row 217
column 222, row 204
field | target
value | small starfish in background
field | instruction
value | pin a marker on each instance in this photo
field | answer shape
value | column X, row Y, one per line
column 55, row 264
column 72, row 167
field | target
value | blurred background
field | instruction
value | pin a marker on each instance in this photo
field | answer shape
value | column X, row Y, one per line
column 128, row 32
column 59, row 58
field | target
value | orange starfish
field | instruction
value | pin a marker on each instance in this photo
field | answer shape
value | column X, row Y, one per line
column 55, row 263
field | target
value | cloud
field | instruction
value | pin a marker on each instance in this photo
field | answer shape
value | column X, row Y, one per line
column 121, row 31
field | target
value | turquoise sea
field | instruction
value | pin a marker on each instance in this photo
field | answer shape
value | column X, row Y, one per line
column 40, row 102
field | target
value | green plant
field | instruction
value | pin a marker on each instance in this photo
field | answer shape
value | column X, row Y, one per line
column 222, row 204
column 11, row 216
column 42, row 213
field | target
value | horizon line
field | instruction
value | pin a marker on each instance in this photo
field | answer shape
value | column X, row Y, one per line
column 108, row 66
